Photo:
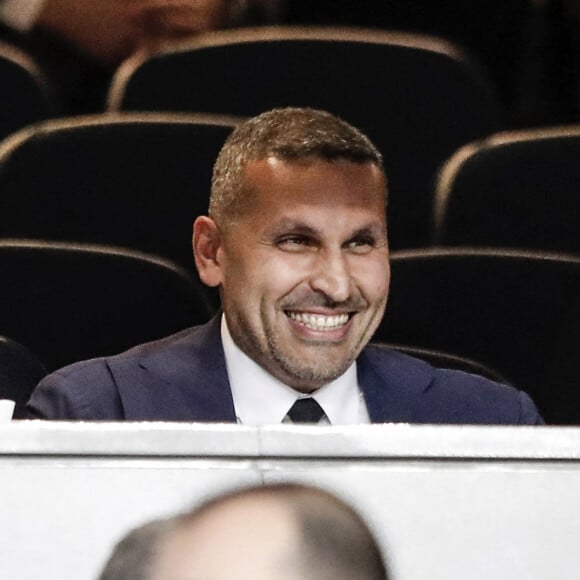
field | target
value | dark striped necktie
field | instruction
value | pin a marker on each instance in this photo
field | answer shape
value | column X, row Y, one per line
column 306, row 410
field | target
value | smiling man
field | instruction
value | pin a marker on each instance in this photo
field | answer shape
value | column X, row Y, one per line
column 296, row 243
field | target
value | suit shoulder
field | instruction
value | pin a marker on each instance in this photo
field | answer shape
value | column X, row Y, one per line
column 443, row 395
column 83, row 390
column 159, row 346
column 478, row 400
column 89, row 390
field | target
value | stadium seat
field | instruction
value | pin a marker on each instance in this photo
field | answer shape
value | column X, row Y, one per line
column 20, row 371
column 444, row 360
column 130, row 180
column 69, row 302
column 26, row 96
column 418, row 98
column 499, row 33
column 516, row 312
column 516, row 189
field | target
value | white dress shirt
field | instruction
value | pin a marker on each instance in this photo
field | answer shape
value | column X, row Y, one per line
column 260, row 398
column 20, row 14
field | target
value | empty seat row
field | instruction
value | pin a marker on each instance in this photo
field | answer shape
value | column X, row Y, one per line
column 419, row 98
column 68, row 302
column 516, row 189
column 139, row 180
column 521, row 43
column 136, row 181
column 26, row 96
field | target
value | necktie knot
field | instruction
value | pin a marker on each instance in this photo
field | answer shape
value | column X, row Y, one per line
column 306, row 410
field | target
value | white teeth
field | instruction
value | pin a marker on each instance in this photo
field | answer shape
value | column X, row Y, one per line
column 317, row 321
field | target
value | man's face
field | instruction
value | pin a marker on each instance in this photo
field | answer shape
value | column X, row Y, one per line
column 304, row 269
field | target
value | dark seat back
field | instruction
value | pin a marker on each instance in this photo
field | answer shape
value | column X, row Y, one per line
column 497, row 32
column 68, row 303
column 518, row 189
column 445, row 360
column 417, row 97
column 25, row 96
column 515, row 312
column 20, row 371
column 136, row 181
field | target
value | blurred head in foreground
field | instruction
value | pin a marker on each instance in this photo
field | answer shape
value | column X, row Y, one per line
column 276, row 532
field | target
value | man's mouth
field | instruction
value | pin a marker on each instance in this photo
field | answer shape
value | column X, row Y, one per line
column 319, row 321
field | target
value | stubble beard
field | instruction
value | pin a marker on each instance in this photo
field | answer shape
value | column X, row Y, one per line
column 313, row 376
column 328, row 367
column 271, row 354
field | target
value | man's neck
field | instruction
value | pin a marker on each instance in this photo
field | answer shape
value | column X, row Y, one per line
column 260, row 398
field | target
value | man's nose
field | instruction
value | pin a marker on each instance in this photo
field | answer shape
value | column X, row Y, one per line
column 331, row 276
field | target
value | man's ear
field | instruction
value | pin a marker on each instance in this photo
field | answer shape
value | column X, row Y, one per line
column 206, row 246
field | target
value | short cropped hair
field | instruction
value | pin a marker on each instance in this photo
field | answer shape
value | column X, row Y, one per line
column 287, row 134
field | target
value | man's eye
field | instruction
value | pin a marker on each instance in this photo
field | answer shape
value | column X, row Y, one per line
column 361, row 245
column 294, row 242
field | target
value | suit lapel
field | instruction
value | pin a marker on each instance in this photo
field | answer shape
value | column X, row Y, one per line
column 180, row 378
column 184, row 378
column 391, row 385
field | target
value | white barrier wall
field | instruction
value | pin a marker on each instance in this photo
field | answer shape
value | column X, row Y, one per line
column 447, row 503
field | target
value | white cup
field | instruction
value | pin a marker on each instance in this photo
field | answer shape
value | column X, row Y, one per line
column 6, row 410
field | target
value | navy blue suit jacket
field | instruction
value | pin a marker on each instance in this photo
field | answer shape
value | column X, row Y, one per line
column 183, row 378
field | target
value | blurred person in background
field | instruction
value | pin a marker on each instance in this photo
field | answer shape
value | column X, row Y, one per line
column 79, row 43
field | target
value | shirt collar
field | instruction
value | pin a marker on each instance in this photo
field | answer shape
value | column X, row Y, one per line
column 259, row 398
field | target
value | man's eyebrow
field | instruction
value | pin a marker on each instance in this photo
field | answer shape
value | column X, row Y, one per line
column 288, row 225
column 291, row 226
column 375, row 230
